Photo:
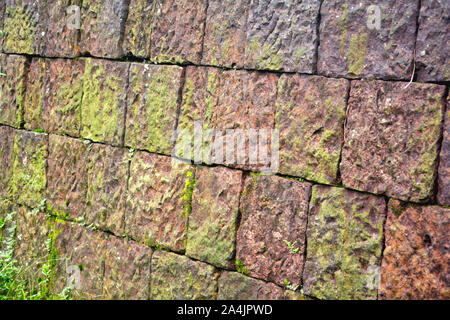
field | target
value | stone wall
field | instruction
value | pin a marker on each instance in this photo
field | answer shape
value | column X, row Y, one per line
column 362, row 192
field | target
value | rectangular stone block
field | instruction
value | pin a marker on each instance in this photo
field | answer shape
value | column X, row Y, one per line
column 159, row 201
column 392, row 138
column 12, row 89
column 152, row 106
column 310, row 118
column 345, row 242
column 34, row 95
column 415, row 261
column 433, row 38
column 6, row 160
column 63, row 93
column 176, row 277
column 138, row 28
column 443, row 196
column 225, row 33
column 68, row 164
column 270, row 241
column 367, row 39
column 29, row 178
column 104, row 101
column 282, row 35
column 107, row 185
column 213, row 221
column 177, row 30
column 102, row 27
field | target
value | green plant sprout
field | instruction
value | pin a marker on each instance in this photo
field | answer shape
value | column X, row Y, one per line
column 291, row 246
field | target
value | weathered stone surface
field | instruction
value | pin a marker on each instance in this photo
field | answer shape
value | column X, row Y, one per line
column 34, row 93
column 415, row 261
column 177, row 30
column 225, row 33
column 2, row 13
column 310, row 118
column 345, row 241
column 107, row 184
column 213, row 222
column 67, row 171
column 138, row 28
column 222, row 100
column 235, row 286
column 433, row 38
column 12, row 89
column 7, row 223
column 21, row 27
column 176, row 277
column 391, row 138
column 102, row 27
column 6, row 160
column 159, row 201
column 271, row 238
column 282, row 35
column 104, row 101
column 152, row 107
column 63, row 92
column 29, row 177
column 353, row 44
column 443, row 196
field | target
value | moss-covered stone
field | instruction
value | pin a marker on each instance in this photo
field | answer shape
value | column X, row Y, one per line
column 104, row 99
column 34, row 95
column 6, row 160
column 138, row 28
column 152, row 107
column 176, row 277
column 7, row 225
column 345, row 242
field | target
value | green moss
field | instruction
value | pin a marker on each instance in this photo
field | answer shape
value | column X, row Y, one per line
column 187, row 193
column 19, row 28
column 357, row 53
column 265, row 56
column 343, row 27
column 240, row 267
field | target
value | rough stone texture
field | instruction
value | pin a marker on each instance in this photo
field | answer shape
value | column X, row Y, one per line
column 352, row 45
column 235, row 286
column 225, row 33
column 21, row 26
column 107, row 185
column 223, row 100
column 415, row 262
column 177, row 30
column 104, row 101
column 310, row 118
column 443, row 196
column 63, row 92
column 138, row 28
column 29, row 178
column 282, row 35
column 34, row 93
column 391, row 138
column 7, row 223
column 159, row 201
column 433, row 41
column 102, row 27
column 152, row 107
column 271, row 237
column 176, row 277
column 213, row 222
column 6, row 160
column 67, row 171
column 345, row 241
column 2, row 13
column 12, row 89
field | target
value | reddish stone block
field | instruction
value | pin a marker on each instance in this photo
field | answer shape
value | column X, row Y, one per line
column 345, row 242
column 138, row 28
column 443, row 196
column 68, row 165
column 225, row 33
column 213, row 222
column 282, row 35
column 102, row 27
column 415, row 262
column 433, row 38
column 310, row 118
column 177, row 30
column 6, row 160
column 355, row 43
column 391, row 138
column 159, row 201
column 34, row 93
column 271, row 237
column 152, row 107
column 12, row 89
